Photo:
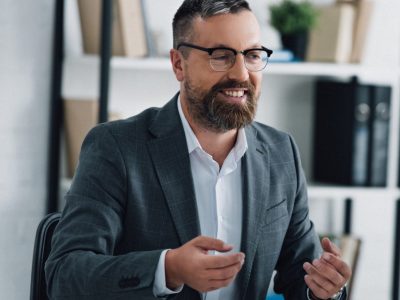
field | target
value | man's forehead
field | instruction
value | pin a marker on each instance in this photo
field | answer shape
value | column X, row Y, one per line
column 227, row 29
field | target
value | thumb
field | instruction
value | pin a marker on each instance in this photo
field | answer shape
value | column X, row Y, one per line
column 207, row 243
column 330, row 247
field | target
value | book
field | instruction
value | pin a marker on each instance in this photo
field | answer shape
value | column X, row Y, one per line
column 350, row 250
column 128, row 29
column 80, row 115
column 332, row 38
column 130, row 13
column 341, row 132
column 364, row 10
column 149, row 35
column 380, row 109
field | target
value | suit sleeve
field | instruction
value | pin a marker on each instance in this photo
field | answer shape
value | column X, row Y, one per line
column 83, row 263
column 301, row 242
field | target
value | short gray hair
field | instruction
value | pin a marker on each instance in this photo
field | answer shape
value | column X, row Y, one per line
column 190, row 9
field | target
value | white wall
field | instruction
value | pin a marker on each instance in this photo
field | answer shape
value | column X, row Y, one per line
column 25, row 56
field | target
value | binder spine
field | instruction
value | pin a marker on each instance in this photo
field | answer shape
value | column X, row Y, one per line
column 362, row 116
column 380, row 134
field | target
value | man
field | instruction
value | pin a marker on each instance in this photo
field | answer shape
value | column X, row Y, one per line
column 194, row 199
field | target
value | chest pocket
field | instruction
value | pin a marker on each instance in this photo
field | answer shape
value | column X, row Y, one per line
column 274, row 214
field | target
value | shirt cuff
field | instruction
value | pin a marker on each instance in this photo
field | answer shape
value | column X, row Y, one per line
column 341, row 292
column 160, row 287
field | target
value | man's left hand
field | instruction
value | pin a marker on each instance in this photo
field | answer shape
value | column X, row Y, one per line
column 328, row 274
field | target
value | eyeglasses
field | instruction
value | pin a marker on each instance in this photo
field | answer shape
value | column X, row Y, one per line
column 223, row 58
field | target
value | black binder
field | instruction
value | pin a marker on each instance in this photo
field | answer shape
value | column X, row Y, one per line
column 351, row 133
column 380, row 109
column 341, row 132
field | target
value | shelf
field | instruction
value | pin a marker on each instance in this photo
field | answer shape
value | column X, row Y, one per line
column 322, row 191
column 317, row 191
column 122, row 63
column 331, row 69
column 296, row 69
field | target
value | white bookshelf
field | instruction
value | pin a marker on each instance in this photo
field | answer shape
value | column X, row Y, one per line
column 370, row 73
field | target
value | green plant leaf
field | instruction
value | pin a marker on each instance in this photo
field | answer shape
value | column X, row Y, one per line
column 292, row 17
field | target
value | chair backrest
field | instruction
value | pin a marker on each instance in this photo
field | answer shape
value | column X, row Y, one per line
column 41, row 251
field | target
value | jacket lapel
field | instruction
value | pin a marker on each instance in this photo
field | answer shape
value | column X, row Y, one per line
column 256, row 177
column 171, row 161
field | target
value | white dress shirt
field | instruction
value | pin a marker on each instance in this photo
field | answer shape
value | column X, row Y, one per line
column 219, row 202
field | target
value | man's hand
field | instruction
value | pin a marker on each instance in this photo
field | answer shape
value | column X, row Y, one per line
column 191, row 264
column 327, row 275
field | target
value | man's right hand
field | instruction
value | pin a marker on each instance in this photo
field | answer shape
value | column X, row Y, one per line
column 191, row 264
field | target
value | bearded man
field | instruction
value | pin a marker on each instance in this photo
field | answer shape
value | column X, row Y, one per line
column 195, row 200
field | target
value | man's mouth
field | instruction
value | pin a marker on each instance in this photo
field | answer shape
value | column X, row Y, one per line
column 235, row 93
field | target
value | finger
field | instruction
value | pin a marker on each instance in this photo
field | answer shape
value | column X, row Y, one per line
column 330, row 247
column 208, row 243
column 221, row 261
column 217, row 284
column 221, row 283
column 317, row 290
column 319, row 279
column 328, row 272
column 338, row 264
column 224, row 273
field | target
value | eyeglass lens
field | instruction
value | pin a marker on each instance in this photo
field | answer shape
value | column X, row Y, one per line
column 224, row 59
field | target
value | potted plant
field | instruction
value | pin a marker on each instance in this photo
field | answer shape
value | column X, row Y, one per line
column 293, row 20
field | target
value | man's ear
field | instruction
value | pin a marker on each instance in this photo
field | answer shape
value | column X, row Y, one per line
column 177, row 64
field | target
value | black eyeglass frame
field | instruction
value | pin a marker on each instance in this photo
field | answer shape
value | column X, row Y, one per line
column 211, row 50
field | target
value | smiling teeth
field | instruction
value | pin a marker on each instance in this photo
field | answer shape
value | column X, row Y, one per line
column 234, row 93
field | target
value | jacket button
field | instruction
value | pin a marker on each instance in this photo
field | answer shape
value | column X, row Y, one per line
column 129, row 282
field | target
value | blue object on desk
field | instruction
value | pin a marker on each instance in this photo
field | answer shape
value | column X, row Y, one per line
column 273, row 296
column 282, row 56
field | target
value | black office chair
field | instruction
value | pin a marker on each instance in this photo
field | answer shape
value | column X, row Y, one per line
column 41, row 251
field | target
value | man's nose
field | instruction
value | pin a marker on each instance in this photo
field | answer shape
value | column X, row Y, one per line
column 239, row 72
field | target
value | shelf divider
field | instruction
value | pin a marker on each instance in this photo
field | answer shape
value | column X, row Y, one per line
column 105, row 46
column 56, row 110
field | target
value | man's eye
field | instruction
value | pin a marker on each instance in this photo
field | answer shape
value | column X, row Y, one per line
column 221, row 57
column 253, row 56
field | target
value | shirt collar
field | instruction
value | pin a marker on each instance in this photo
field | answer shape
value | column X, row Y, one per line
column 193, row 143
column 191, row 139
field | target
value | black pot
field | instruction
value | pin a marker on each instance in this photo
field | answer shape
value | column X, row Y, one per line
column 297, row 43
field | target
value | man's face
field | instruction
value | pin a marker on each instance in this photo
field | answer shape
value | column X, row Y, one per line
column 221, row 101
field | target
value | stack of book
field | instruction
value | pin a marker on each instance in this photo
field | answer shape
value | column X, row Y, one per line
column 130, row 36
column 341, row 32
column 351, row 133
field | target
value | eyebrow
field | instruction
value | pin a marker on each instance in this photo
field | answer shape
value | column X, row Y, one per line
column 257, row 45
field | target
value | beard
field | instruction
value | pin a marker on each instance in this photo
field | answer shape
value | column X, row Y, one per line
column 218, row 115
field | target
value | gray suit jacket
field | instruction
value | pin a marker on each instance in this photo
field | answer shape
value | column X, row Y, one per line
column 132, row 196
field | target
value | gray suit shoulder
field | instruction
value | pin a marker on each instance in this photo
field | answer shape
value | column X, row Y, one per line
column 135, row 127
column 270, row 135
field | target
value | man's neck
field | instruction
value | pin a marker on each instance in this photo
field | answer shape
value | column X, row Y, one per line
column 218, row 145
